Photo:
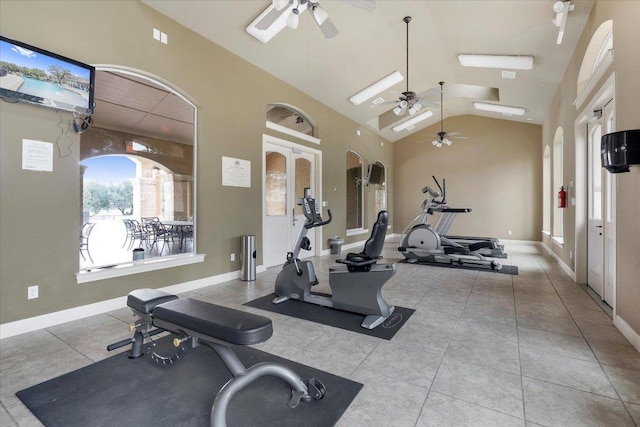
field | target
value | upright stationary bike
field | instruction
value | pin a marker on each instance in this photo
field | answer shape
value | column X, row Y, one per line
column 355, row 285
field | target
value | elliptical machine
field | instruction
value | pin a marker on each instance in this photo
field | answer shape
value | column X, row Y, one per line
column 421, row 242
column 355, row 285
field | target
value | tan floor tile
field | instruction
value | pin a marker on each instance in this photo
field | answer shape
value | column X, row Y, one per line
column 560, row 344
column 558, row 325
column 566, row 371
column 620, row 356
column 494, row 353
column 413, row 366
column 490, row 388
column 626, row 382
column 440, row 410
column 383, row 402
column 550, row 404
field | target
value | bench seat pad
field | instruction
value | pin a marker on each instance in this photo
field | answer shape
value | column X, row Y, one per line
column 215, row 321
column 145, row 300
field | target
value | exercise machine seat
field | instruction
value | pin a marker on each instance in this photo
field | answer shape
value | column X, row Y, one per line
column 373, row 246
column 145, row 300
column 224, row 323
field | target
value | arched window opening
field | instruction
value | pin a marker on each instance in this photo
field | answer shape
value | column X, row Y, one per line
column 355, row 199
column 137, row 171
column 558, row 217
column 546, row 190
column 288, row 117
column 597, row 58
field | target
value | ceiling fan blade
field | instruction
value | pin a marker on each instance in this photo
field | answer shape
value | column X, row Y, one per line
column 270, row 18
column 328, row 29
column 368, row 5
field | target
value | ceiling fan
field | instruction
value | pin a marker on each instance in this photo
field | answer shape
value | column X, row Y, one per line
column 409, row 100
column 443, row 137
column 283, row 13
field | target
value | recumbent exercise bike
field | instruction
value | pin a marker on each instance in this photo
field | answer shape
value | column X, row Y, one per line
column 355, row 285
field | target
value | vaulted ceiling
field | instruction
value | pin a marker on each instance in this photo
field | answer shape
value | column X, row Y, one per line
column 372, row 44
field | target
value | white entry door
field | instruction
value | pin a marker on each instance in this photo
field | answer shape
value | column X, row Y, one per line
column 601, row 233
column 595, row 231
column 287, row 172
column 609, row 215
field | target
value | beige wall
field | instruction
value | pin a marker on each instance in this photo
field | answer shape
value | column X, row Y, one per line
column 39, row 211
column 626, row 65
column 496, row 172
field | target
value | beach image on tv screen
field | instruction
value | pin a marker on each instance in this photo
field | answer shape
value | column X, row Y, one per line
column 40, row 78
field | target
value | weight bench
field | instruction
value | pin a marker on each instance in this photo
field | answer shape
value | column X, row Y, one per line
column 195, row 322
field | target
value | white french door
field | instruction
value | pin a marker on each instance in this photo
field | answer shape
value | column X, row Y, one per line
column 601, row 211
column 595, row 232
column 609, row 215
column 288, row 170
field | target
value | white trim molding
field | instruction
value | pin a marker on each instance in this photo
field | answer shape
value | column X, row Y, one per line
column 52, row 319
column 560, row 262
column 627, row 331
column 151, row 264
column 286, row 130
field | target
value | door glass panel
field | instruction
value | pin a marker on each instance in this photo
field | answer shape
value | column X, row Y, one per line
column 609, row 179
column 380, row 186
column 596, row 174
column 302, row 180
column 275, row 184
column 354, row 190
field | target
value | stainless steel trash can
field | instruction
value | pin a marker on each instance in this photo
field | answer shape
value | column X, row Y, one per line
column 248, row 259
column 336, row 245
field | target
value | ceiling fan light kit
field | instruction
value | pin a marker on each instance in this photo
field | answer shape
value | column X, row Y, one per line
column 286, row 13
column 379, row 86
column 293, row 19
column 443, row 137
column 562, row 9
column 497, row 108
column 513, row 62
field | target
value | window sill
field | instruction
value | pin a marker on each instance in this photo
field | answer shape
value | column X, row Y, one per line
column 357, row 231
column 546, row 233
column 145, row 266
column 558, row 240
column 286, row 130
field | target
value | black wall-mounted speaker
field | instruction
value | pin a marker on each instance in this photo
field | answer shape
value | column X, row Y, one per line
column 619, row 150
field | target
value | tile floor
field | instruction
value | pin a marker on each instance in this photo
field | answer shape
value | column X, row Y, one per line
column 482, row 349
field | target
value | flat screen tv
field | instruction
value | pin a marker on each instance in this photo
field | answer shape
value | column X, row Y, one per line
column 376, row 174
column 33, row 75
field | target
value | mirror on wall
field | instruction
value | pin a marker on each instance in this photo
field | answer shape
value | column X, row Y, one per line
column 137, row 172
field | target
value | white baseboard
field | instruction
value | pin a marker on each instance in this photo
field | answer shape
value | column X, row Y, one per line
column 52, row 319
column 627, row 331
column 561, row 263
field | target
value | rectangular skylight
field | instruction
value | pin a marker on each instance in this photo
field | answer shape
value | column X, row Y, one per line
column 513, row 62
column 497, row 108
column 409, row 124
column 376, row 88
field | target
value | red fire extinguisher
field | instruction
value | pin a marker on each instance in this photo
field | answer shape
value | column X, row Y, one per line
column 562, row 198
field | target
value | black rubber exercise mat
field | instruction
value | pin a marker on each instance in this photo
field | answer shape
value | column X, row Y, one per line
column 506, row 269
column 119, row 391
column 336, row 318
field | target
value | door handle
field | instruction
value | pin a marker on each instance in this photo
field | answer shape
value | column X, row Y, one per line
column 598, row 226
column 293, row 215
